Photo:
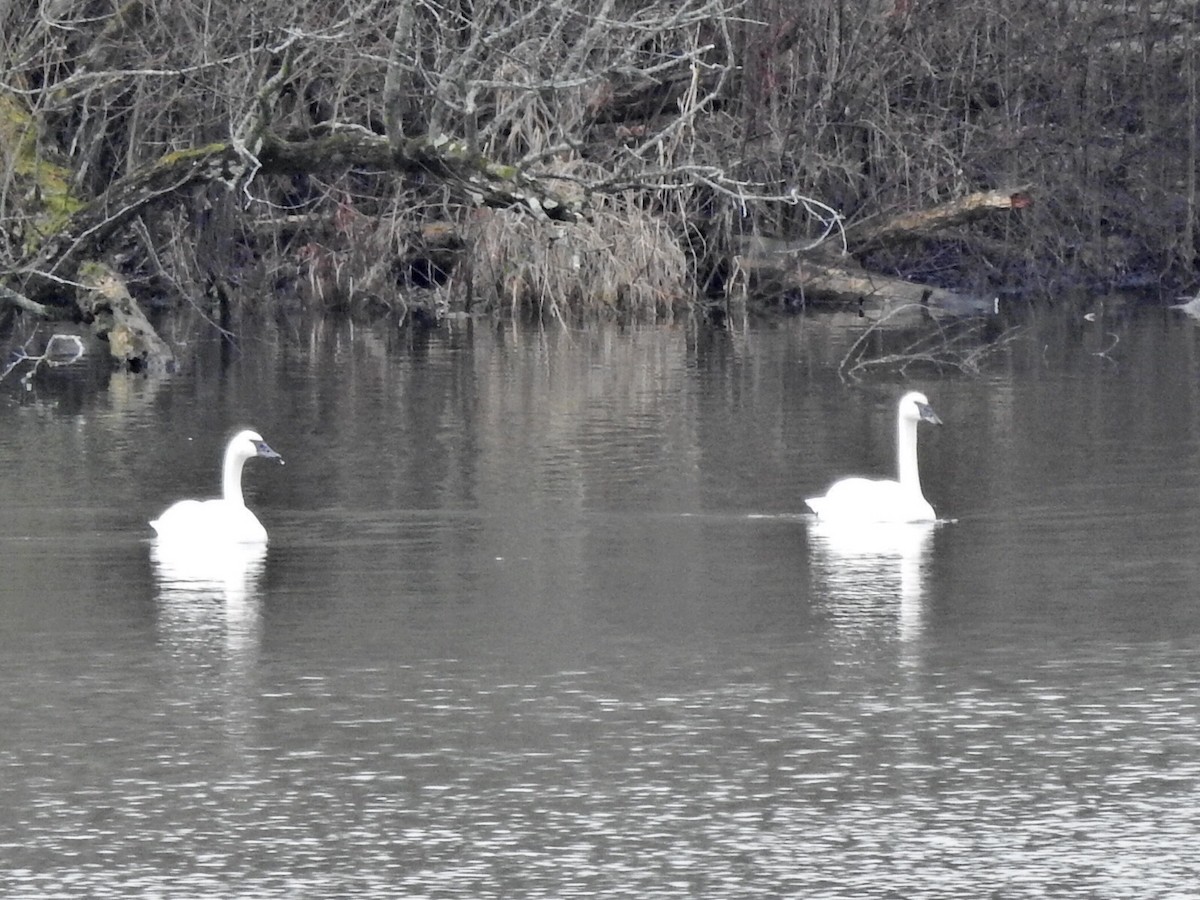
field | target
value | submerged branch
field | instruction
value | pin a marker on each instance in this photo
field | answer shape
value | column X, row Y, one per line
column 963, row 347
column 60, row 350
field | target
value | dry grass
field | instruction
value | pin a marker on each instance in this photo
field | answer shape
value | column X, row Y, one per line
column 625, row 264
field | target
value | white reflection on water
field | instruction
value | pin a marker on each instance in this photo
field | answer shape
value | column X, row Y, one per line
column 210, row 626
column 872, row 574
column 208, row 597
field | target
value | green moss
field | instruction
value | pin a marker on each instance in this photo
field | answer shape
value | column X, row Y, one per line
column 503, row 172
column 90, row 271
column 18, row 137
column 175, row 157
column 44, row 186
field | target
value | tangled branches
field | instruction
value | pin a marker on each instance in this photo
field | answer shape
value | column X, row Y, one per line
column 961, row 345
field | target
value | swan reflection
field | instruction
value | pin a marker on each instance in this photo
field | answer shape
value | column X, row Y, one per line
column 208, row 596
column 871, row 575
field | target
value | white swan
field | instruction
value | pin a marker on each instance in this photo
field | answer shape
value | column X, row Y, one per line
column 225, row 519
column 865, row 500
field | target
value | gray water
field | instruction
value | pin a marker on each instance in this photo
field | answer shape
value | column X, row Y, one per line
column 542, row 616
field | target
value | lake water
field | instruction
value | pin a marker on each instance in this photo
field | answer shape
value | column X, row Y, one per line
column 542, row 617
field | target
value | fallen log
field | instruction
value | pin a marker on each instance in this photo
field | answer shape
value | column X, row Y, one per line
column 486, row 182
column 870, row 294
column 817, row 274
column 923, row 223
column 91, row 227
column 105, row 305
column 881, row 296
column 115, row 317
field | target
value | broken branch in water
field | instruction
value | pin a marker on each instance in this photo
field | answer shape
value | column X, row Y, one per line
column 60, row 350
column 960, row 345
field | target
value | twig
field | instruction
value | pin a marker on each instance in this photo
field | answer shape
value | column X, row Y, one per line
column 61, row 350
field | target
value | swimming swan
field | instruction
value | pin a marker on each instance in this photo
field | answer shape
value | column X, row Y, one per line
column 225, row 519
column 865, row 500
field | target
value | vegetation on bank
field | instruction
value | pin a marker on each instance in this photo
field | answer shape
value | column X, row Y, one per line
column 388, row 156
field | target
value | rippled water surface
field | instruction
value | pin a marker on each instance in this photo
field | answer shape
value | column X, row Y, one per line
column 542, row 616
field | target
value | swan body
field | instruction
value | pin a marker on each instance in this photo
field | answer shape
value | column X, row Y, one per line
column 1191, row 307
column 225, row 519
column 868, row 500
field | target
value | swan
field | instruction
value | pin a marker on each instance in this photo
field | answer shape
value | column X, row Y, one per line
column 224, row 519
column 866, row 500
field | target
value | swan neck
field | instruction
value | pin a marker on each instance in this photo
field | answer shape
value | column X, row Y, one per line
column 906, row 452
column 231, row 476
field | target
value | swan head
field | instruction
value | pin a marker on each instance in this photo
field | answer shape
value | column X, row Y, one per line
column 249, row 444
column 914, row 406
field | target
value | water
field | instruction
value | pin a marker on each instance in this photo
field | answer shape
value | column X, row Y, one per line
column 542, row 617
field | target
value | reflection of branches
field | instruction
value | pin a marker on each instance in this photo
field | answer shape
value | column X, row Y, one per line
column 61, row 350
column 960, row 346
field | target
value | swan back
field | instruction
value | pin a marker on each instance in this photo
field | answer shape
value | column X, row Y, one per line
column 227, row 518
column 867, row 500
